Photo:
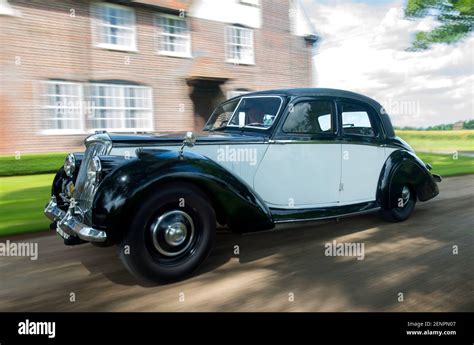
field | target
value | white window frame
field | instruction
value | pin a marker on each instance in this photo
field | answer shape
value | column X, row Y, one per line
column 98, row 25
column 249, row 60
column 46, row 107
column 122, row 108
column 159, row 35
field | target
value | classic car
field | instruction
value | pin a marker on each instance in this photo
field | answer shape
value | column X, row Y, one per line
column 263, row 158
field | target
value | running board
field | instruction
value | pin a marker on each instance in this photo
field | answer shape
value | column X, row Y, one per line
column 309, row 214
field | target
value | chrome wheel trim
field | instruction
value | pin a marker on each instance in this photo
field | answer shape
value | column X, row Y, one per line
column 405, row 195
column 173, row 233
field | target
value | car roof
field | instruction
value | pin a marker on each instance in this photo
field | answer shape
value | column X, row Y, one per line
column 297, row 92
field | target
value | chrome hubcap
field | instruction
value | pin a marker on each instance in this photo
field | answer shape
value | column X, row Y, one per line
column 173, row 233
column 405, row 195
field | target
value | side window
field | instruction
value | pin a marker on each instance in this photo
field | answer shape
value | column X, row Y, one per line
column 356, row 119
column 310, row 117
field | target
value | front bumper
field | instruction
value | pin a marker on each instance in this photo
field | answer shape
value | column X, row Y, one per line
column 66, row 223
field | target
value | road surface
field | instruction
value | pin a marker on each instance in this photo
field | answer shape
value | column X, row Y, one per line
column 407, row 266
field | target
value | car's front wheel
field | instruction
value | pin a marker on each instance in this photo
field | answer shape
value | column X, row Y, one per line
column 404, row 208
column 170, row 235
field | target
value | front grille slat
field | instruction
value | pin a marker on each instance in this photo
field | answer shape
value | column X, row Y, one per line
column 84, row 187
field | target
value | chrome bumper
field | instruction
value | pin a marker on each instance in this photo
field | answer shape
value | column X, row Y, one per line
column 67, row 224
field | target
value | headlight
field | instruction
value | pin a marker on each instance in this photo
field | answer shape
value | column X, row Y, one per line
column 70, row 165
column 95, row 170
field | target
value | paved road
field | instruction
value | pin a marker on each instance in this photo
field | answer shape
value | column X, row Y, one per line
column 414, row 258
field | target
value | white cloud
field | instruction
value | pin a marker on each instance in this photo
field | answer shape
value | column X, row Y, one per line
column 362, row 49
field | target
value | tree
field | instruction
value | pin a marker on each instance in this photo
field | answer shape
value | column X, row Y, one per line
column 468, row 124
column 455, row 16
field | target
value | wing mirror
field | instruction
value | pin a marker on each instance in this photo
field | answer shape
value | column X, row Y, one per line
column 189, row 141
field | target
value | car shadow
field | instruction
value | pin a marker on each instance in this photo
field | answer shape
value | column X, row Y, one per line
column 244, row 248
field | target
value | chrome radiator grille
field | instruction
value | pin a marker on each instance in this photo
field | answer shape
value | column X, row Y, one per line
column 85, row 187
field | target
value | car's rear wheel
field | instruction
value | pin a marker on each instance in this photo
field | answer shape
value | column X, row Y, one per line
column 404, row 207
column 170, row 235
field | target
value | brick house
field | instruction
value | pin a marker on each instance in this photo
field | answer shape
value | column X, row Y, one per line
column 72, row 67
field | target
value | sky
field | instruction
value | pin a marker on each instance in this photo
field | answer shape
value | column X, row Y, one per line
column 362, row 46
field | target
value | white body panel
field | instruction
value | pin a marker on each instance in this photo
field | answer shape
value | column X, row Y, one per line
column 361, row 167
column 300, row 175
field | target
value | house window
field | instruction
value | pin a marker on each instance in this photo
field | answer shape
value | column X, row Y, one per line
column 172, row 35
column 121, row 107
column 63, row 107
column 239, row 45
column 115, row 27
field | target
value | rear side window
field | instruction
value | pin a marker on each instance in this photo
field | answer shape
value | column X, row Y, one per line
column 356, row 119
column 310, row 117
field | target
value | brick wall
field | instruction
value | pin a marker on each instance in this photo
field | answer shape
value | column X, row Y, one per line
column 46, row 42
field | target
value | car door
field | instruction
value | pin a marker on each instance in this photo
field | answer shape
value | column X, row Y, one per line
column 363, row 154
column 302, row 165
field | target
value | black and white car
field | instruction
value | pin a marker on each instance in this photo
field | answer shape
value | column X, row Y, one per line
column 263, row 158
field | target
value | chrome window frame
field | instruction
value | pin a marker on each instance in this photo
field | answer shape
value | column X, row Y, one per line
column 255, row 127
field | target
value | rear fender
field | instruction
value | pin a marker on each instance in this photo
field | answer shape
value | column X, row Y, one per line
column 401, row 168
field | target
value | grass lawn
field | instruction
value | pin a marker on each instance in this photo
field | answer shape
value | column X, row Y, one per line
column 31, row 164
column 22, row 199
column 446, row 165
column 439, row 141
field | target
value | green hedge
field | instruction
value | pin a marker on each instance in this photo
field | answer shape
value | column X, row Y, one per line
column 31, row 164
column 22, row 200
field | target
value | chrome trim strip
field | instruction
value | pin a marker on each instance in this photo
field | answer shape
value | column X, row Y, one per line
column 69, row 225
column 178, row 144
column 331, row 140
column 329, row 217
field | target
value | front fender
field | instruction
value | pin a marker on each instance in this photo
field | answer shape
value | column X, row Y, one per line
column 121, row 191
column 404, row 167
